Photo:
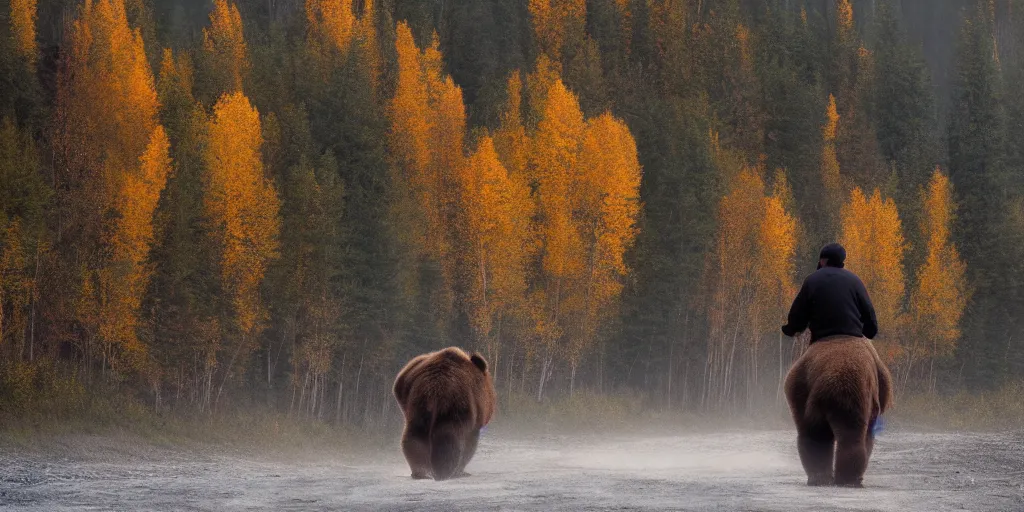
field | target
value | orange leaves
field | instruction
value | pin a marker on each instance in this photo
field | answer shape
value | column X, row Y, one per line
column 538, row 82
column 15, row 283
column 23, row 29
column 938, row 210
column 555, row 154
column 749, row 275
column 331, row 22
column 428, row 127
column 497, row 211
column 872, row 234
column 530, row 229
column 606, row 213
column 138, row 196
column 242, row 205
column 587, row 177
column 938, row 301
column 545, row 27
column 117, row 159
column 743, row 41
column 844, row 15
column 830, row 175
column 777, row 239
column 409, row 116
column 753, row 262
column 873, row 237
column 552, row 21
column 828, row 133
column 510, row 140
column 224, row 44
column 109, row 94
column 612, row 177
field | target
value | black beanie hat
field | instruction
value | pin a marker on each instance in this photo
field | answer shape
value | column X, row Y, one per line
column 834, row 254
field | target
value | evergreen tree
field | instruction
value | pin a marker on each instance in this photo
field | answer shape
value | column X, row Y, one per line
column 977, row 168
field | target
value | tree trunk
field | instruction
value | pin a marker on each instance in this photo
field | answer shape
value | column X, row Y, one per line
column 341, row 389
column 778, row 389
column 572, row 379
column 543, row 376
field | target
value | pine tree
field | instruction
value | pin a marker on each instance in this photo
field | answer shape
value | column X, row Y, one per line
column 977, row 171
column 24, row 198
column 179, row 304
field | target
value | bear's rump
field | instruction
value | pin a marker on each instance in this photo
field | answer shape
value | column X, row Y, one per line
column 442, row 399
column 842, row 380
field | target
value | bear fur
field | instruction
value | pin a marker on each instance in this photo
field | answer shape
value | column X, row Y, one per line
column 447, row 397
column 836, row 391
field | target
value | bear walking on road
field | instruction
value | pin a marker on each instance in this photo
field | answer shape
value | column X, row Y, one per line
column 447, row 397
column 836, row 391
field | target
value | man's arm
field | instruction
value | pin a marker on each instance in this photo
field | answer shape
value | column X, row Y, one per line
column 867, row 312
column 798, row 314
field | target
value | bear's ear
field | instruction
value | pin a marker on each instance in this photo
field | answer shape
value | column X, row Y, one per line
column 478, row 361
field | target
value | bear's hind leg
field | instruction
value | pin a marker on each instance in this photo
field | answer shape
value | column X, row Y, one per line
column 416, row 449
column 469, row 449
column 852, row 449
column 447, row 441
column 816, row 445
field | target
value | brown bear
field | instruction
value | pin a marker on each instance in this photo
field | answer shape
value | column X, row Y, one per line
column 836, row 391
column 447, row 397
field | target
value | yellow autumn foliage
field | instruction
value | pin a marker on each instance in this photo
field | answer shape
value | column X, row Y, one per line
column 119, row 155
column 776, row 257
column 428, row 129
column 242, row 205
column 510, row 140
column 224, row 43
column 830, row 175
column 552, row 19
column 331, row 22
column 554, row 159
column 607, row 212
column 23, row 30
column 497, row 209
column 940, row 297
column 872, row 234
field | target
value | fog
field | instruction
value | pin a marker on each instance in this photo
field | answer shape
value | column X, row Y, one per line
column 735, row 470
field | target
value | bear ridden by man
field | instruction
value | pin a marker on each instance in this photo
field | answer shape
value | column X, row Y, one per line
column 447, row 397
column 839, row 387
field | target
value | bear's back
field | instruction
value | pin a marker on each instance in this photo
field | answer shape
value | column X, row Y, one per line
column 446, row 383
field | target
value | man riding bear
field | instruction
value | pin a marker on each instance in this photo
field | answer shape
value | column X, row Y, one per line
column 839, row 386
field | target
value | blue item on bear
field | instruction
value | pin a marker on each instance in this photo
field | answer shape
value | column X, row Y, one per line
column 877, row 426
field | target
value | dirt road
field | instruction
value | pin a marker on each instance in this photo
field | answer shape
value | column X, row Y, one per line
column 741, row 471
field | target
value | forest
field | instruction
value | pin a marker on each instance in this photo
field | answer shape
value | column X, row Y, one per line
column 206, row 205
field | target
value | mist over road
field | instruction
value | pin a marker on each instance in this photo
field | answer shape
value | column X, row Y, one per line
column 748, row 471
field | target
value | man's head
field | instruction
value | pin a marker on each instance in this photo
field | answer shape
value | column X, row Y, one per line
column 832, row 255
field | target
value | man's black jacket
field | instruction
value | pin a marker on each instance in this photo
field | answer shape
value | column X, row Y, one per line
column 832, row 301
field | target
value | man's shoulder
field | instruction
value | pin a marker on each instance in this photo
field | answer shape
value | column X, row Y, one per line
column 832, row 273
